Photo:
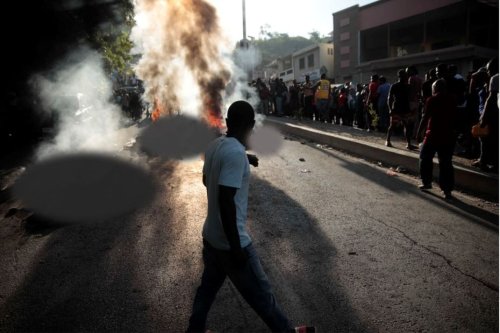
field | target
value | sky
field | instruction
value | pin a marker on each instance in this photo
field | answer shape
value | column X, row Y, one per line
column 294, row 17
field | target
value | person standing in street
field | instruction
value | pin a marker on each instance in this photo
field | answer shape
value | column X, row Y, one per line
column 399, row 108
column 489, row 118
column 308, row 90
column 227, row 247
column 415, row 83
column 383, row 109
column 322, row 97
column 439, row 121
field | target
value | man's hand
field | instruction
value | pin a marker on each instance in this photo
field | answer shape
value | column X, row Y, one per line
column 253, row 160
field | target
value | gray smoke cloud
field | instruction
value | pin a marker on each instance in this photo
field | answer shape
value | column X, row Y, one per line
column 78, row 95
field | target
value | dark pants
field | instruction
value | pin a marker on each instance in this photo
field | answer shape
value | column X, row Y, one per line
column 446, row 171
column 251, row 282
column 308, row 107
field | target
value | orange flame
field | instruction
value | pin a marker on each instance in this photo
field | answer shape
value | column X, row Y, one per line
column 213, row 114
column 157, row 110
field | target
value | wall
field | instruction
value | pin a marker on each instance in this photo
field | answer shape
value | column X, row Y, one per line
column 392, row 10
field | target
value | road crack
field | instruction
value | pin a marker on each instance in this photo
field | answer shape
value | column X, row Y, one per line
column 447, row 260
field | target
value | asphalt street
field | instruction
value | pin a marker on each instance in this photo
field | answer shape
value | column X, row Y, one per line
column 348, row 247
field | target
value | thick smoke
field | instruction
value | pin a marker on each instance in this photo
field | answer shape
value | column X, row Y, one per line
column 186, row 61
column 180, row 62
column 77, row 95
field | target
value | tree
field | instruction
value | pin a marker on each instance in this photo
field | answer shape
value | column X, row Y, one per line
column 113, row 40
column 314, row 36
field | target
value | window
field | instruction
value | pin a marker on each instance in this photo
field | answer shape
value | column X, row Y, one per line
column 345, row 36
column 302, row 63
column 407, row 36
column 310, row 60
column 330, row 51
column 290, row 71
column 345, row 21
column 374, row 43
column 446, row 28
column 345, row 50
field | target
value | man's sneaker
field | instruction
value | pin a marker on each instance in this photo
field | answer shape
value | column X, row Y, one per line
column 304, row 329
column 388, row 144
column 447, row 195
column 425, row 187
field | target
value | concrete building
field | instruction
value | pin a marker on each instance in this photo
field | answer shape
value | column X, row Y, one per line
column 313, row 61
column 387, row 35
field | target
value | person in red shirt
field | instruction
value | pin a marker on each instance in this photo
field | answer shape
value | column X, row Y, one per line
column 342, row 105
column 439, row 121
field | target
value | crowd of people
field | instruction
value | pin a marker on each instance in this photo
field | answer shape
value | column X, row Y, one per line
column 387, row 107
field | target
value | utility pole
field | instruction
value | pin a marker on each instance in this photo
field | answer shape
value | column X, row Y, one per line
column 244, row 22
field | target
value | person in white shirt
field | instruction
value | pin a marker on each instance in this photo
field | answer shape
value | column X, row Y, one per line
column 227, row 247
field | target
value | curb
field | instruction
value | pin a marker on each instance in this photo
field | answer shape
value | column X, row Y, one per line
column 465, row 179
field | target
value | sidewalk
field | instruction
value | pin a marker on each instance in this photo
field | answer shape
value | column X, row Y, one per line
column 370, row 145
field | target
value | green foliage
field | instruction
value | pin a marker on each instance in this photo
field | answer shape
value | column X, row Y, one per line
column 115, row 48
column 113, row 40
column 278, row 45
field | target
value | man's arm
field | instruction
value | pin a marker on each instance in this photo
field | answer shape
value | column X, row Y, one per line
column 390, row 100
column 490, row 106
column 228, row 218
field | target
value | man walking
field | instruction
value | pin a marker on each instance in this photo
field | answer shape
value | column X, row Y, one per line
column 227, row 247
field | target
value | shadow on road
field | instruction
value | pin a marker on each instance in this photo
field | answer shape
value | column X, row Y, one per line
column 84, row 278
column 300, row 261
column 394, row 184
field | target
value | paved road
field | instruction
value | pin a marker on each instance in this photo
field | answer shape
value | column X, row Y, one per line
column 347, row 246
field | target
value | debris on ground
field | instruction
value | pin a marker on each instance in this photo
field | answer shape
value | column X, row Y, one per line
column 305, row 170
column 352, row 253
column 400, row 169
column 391, row 172
column 302, row 160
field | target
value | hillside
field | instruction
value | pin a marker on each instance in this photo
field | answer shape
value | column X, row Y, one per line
column 280, row 46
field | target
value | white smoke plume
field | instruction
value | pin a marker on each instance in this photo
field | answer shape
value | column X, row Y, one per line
column 78, row 93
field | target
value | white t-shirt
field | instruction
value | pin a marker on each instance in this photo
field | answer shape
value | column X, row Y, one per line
column 226, row 163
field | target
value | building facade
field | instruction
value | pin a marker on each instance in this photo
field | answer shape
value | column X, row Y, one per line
column 388, row 35
column 313, row 61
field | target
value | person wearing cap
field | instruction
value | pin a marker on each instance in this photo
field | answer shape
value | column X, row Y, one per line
column 227, row 246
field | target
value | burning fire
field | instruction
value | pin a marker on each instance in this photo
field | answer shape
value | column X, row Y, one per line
column 182, row 64
column 155, row 115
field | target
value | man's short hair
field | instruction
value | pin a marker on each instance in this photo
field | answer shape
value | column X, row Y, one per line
column 240, row 114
